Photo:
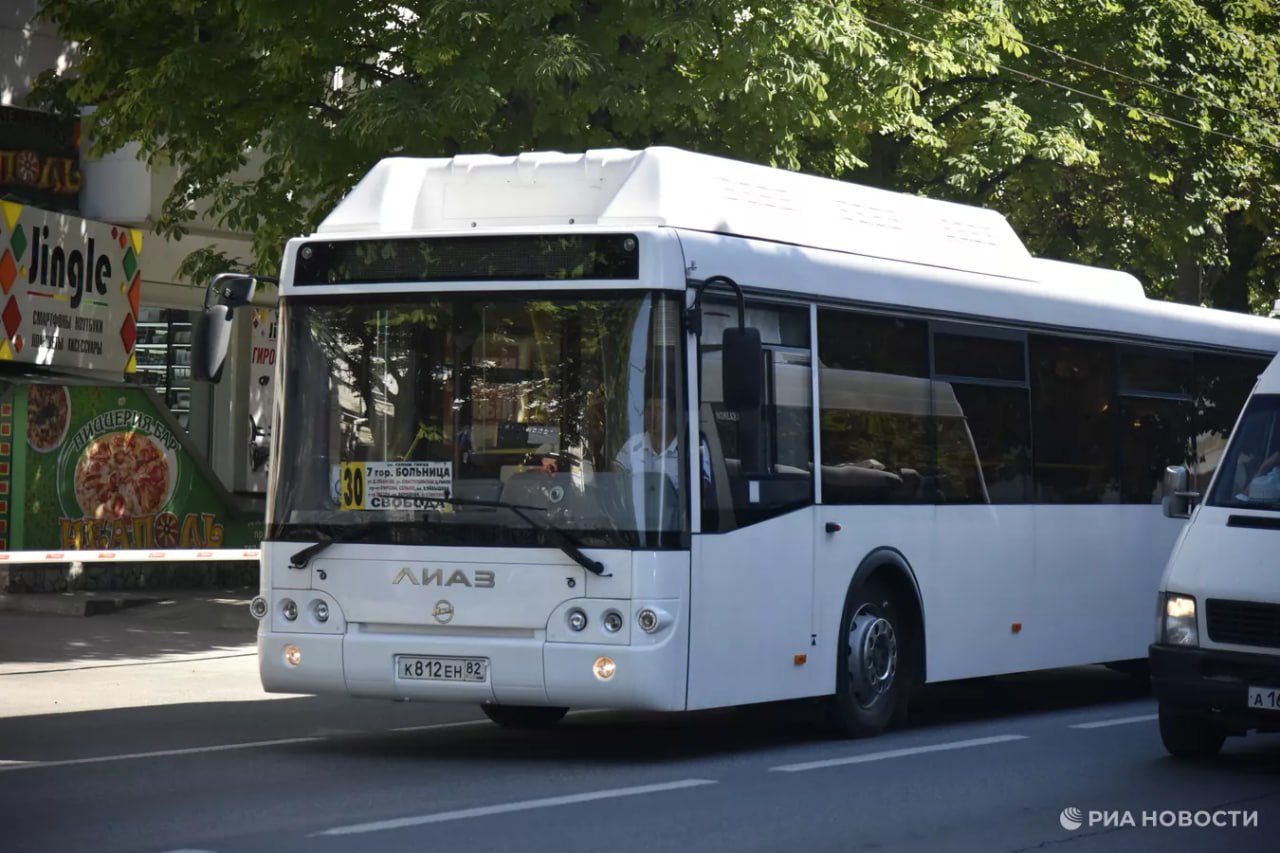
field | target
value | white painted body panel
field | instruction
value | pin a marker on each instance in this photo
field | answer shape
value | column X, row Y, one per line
column 752, row 604
column 519, row 624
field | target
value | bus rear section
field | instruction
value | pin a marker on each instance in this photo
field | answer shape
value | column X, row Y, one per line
column 1215, row 662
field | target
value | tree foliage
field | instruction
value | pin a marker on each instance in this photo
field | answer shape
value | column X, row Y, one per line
column 1137, row 134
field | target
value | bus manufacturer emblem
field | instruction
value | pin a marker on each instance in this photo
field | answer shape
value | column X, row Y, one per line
column 443, row 612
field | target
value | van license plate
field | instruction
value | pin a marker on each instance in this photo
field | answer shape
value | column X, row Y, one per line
column 442, row 669
column 1264, row 698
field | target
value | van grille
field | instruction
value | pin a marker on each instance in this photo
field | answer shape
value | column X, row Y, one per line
column 1243, row 623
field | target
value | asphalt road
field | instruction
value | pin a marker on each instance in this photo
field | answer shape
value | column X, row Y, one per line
column 982, row 766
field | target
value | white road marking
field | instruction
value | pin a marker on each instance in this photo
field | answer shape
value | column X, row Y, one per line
column 895, row 753
column 1120, row 721
column 225, row 747
column 524, row 805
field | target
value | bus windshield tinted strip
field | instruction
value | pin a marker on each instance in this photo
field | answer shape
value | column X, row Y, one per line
column 600, row 257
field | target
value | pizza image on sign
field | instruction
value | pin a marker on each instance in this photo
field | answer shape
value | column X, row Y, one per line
column 123, row 474
column 48, row 416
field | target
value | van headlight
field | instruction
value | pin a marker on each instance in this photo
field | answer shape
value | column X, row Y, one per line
column 1178, row 620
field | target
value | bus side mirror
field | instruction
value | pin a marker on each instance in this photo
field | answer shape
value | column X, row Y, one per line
column 1177, row 498
column 742, row 369
column 212, row 340
column 227, row 291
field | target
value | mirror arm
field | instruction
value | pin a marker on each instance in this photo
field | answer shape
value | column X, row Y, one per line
column 693, row 315
column 215, row 293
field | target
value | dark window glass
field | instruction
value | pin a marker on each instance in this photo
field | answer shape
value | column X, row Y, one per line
column 1153, row 434
column 1152, row 372
column 1223, row 384
column 526, row 257
column 850, row 341
column 878, row 430
column 1253, row 460
column 979, row 358
column 999, row 422
column 1072, row 409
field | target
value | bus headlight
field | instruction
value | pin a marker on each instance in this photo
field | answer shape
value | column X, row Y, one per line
column 258, row 607
column 289, row 609
column 604, row 668
column 648, row 620
column 292, row 655
column 1178, row 620
column 612, row 621
column 577, row 619
column 321, row 611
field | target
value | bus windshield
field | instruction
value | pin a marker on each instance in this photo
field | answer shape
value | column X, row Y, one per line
column 1249, row 478
column 439, row 409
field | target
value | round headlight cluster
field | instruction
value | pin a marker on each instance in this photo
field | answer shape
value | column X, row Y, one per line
column 648, row 620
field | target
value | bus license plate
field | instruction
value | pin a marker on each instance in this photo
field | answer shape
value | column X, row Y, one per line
column 1264, row 698
column 442, row 669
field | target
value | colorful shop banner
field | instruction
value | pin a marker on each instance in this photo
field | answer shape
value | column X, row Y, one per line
column 104, row 470
column 40, row 159
column 71, row 289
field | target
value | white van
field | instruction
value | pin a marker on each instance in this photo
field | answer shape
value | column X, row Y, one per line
column 1215, row 663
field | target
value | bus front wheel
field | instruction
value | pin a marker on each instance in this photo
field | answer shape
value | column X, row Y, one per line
column 871, row 679
column 524, row 716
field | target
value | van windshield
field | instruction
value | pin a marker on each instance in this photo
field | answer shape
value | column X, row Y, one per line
column 1250, row 476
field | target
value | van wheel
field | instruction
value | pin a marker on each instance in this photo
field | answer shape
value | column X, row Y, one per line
column 524, row 716
column 1187, row 736
column 871, row 681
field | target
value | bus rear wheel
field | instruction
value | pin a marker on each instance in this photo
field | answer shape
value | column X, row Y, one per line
column 871, row 678
column 524, row 716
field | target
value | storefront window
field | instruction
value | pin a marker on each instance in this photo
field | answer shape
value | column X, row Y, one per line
column 164, row 357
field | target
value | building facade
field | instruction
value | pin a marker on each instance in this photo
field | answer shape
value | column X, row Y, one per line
column 106, row 443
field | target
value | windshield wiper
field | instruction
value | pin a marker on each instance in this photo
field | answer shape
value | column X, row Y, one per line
column 352, row 533
column 569, row 545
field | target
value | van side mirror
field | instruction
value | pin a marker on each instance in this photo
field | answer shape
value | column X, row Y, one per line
column 1177, row 497
column 225, row 293
column 742, row 369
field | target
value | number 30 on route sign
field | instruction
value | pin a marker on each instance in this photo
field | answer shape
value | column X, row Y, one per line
column 351, row 482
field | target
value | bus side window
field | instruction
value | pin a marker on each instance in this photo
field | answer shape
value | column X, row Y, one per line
column 744, row 491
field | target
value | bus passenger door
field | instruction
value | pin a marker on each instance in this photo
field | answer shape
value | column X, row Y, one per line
column 752, row 574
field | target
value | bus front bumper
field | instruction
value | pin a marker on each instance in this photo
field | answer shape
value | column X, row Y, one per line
column 519, row 671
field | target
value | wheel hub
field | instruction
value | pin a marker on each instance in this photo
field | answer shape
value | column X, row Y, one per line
column 873, row 657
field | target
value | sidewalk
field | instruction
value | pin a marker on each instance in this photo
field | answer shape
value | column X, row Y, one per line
column 149, row 647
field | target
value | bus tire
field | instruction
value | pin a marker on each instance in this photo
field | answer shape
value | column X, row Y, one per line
column 524, row 716
column 872, row 678
column 1186, row 736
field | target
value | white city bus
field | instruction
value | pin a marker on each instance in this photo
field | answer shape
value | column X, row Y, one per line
column 919, row 454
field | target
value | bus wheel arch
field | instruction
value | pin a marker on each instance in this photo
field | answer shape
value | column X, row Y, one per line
column 880, row 655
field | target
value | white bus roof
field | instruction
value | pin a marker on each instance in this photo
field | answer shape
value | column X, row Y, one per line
column 680, row 189
column 974, row 252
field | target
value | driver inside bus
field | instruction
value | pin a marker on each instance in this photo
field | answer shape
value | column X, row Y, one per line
column 656, row 449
